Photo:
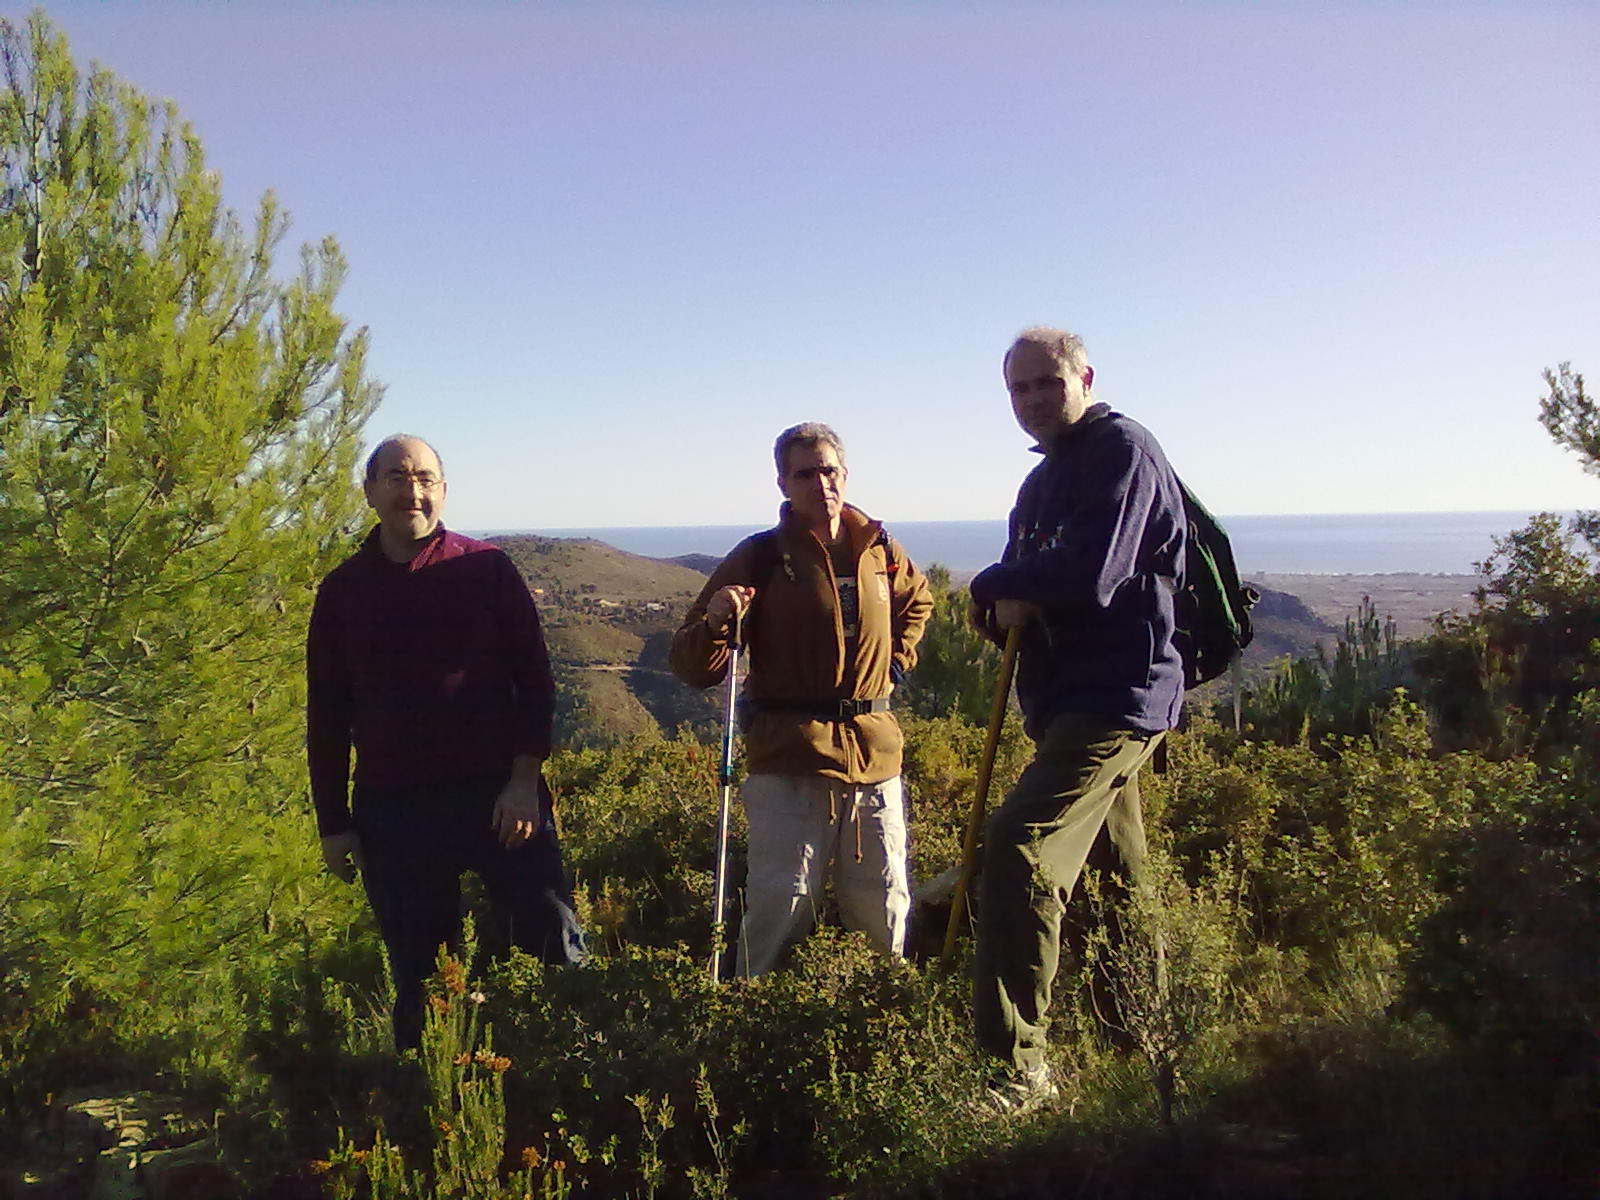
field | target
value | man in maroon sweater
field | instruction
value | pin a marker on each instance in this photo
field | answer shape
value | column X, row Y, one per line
column 425, row 655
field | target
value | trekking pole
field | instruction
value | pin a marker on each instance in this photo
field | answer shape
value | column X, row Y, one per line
column 720, row 877
column 991, row 744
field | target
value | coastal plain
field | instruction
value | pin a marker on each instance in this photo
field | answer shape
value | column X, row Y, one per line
column 1412, row 600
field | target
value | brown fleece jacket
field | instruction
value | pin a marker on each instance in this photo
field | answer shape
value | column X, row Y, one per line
column 797, row 649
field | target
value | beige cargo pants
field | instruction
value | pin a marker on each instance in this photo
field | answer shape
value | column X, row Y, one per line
column 800, row 827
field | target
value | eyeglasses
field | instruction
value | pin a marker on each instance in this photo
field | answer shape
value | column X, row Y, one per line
column 424, row 481
column 807, row 474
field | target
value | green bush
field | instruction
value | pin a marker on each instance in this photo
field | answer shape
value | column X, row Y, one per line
column 1511, row 958
column 843, row 1066
column 942, row 756
column 1345, row 841
column 639, row 824
column 137, row 928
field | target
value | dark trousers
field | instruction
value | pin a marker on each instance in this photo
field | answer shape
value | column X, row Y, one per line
column 1075, row 804
column 415, row 845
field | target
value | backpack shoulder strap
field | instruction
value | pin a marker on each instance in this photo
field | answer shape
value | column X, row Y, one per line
column 890, row 562
column 766, row 558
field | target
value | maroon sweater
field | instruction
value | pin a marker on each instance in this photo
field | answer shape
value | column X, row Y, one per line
column 434, row 670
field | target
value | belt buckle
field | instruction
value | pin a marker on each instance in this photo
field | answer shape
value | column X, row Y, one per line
column 850, row 708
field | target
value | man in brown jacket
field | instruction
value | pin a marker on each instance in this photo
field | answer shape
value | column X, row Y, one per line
column 831, row 610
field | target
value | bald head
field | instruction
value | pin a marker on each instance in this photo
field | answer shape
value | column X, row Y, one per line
column 396, row 439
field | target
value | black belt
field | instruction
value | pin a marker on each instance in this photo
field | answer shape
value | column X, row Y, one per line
column 820, row 710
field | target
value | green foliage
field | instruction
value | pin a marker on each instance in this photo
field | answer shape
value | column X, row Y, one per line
column 956, row 666
column 1570, row 417
column 1506, row 677
column 1344, row 844
column 1539, row 572
column 1168, row 954
column 177, row 435
column 1511, row 958
column 1307, row 699
column 466, row 1116
column 639, row 836
column 940, row 769
column 833, row 1067
column 132, row 931
column 1509, row 677
column 177, row 430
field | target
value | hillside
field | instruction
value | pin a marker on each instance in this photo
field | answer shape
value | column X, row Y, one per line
column 608, row 619
column 582, row 575
column 1284, row 627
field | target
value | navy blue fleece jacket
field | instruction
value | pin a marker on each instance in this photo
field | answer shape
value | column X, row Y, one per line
column 1096, row 541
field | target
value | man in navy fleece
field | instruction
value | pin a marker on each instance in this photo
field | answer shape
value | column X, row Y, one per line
column 1091, row 566
column 425, row 655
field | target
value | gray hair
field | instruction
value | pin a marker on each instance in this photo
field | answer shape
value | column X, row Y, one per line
column 807, row 433
column 1066, row 348
column 393, row 439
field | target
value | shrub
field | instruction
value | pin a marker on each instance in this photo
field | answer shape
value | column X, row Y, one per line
column 837, row 1068
column 1166, row 958
column 1347, row 841
column 1511, row 959
column 639, row 827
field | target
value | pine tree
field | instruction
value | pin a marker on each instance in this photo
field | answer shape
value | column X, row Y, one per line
column 956, row 665
column 1547, row 570
column 177, row 436
column 1523, row 670
column 1572, row 418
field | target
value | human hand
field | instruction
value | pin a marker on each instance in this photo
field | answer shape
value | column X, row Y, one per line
column 981, row 618
column 726, row 604
column 341, row 854
column 1014, row 614
column 517, row 810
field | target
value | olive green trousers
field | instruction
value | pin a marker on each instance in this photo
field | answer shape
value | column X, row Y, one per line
column 1077, row 802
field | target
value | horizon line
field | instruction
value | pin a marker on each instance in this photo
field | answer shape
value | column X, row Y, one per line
column 766, row 522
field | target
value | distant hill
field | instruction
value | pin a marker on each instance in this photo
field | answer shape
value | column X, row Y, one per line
column 1284, row 626
column 1412, row 599
column 609, row 617
column 703, row 563
column 584, row 575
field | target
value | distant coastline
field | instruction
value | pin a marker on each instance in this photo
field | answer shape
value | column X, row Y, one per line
column 1318, row 544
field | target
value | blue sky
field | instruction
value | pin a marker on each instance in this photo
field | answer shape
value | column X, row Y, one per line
column 607, row 251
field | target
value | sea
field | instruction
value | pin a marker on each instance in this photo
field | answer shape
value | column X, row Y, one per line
column 1449, row 543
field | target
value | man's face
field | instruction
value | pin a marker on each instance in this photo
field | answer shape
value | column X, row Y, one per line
column 1046, row 395
column 813, row 483
column 407, row 491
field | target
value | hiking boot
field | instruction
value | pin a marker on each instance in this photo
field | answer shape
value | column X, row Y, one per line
column 1012, row 1093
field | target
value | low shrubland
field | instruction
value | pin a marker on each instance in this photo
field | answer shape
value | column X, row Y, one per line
column 1321, row 918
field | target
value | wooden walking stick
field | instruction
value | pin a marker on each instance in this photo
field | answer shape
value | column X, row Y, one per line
column 991, row 744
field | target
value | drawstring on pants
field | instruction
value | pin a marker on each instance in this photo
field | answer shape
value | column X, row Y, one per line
column 855, row 813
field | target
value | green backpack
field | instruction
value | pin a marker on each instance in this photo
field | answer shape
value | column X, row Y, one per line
column 1213, row 609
